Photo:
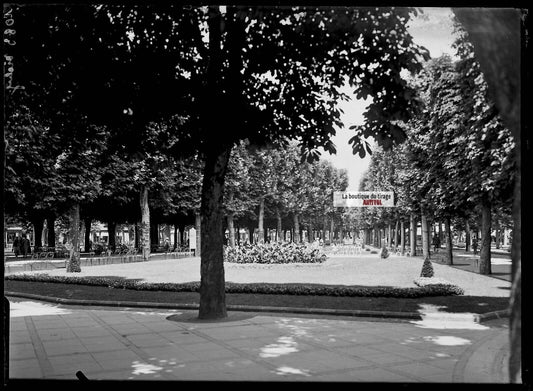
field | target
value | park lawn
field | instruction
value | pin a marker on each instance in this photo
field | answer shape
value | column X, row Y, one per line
column 456, row 304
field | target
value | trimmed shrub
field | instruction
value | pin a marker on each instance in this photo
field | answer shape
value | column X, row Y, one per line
column 255, row 288
column 427, row 268
column 274, row 253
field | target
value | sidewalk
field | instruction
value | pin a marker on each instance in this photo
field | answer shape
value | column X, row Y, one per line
column 500, row 262
column 55, row 341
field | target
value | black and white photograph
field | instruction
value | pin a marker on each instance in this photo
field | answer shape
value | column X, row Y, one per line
column 272, row 194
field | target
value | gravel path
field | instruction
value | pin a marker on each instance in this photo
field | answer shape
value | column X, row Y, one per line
column 368, row 270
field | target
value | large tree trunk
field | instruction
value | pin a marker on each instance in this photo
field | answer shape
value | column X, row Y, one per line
column 484, row 252
column 212, row 284
column 251, row 229
column 73, row 263
column 515, row 359
column 87, row 223
column 231, row 231
column 429, row 225
column 495, row 34
column 296, row 228
column 260, row 223
column 50, row 225
column 198, row 229
column 412, row 237
column 402, row 237
column 144, row 234
column 181, row 228
column 112, row 235
column 425, row 239
column 396, row 233
column 448, row 238
column 38, row 226
column 279, row 233
column 467, row 235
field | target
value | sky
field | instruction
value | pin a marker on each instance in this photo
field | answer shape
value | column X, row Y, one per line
column 433, row 30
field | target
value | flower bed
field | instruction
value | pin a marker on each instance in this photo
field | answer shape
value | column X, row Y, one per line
column 255, row 288
column 274, row 253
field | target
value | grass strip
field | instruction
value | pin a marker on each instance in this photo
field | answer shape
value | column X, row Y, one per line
column 257, row 288
column 456, row 304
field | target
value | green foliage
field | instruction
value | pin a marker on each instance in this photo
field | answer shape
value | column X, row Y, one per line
column 150, row 64
column 457, row 151
column 256, row 288
column 427, row 268
column 274, row 253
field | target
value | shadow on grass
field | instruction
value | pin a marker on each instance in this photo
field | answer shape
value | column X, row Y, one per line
column 191, row 318
column 455, row 304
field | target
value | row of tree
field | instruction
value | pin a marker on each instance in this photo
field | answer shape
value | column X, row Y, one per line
column 456, row 167
column 265, row 188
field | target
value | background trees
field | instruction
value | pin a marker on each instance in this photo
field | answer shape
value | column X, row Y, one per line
column 262, row 74
column 457, row 162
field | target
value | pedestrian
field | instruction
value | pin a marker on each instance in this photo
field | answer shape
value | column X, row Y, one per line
column 474, row 246
column 25, row 246
column 16, row 246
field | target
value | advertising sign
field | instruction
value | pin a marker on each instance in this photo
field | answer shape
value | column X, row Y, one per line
column 349, row 199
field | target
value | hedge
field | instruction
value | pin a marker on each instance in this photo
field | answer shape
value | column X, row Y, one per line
column 274, row 253
column 255, row 288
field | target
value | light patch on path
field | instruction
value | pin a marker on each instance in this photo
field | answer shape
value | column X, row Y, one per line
column 291, row 371
column 30, row 308
column 141, row 368
column 432, row 318
column 297, row 328
column 285, row 345
column 153, row 312
column 447, row 340
column 444, row 340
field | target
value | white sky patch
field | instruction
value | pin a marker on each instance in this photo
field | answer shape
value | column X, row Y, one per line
column 285, row 345
column 291, row 371
column 433, row 319
column 434, row 31
column 448, row 340
column 30, row 308
column 141, row 368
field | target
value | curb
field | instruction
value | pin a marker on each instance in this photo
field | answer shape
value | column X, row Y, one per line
column 248, row 308
column 492, row 315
